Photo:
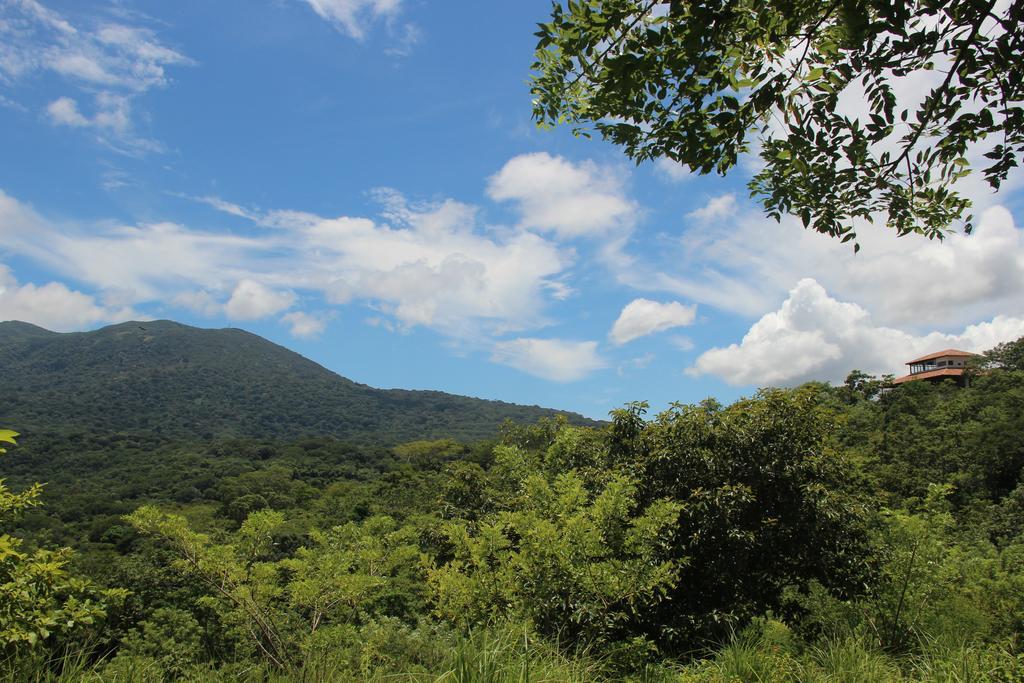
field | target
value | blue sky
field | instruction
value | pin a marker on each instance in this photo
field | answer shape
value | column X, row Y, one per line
column 360, row 180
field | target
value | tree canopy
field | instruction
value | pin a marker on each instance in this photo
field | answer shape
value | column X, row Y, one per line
column 856, row 107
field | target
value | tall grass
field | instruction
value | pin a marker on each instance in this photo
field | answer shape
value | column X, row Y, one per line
column 764, row 653
column 849, row 660
column 511, row 655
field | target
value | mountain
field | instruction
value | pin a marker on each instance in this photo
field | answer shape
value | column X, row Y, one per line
column 172, row 380
column 14, row 331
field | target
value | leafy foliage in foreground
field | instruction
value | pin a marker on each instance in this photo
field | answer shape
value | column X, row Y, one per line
column 701, row 82
column 39, row 598
column 851, row 533
column 602, row 536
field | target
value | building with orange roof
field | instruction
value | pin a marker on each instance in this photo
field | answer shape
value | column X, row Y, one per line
column 938, row 366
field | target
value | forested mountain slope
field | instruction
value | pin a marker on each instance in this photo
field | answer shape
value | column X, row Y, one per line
column 182, row 382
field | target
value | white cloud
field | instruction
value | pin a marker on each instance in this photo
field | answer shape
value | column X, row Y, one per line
column 638, row 363
column 64, row 111
column 405, row 39
column 556, row 195
column 672, row 171
column 113, row 115
column 53, row 305
column 553, row 359
column 718, row 207
column 304, row 325
column 980, row 274
column 429, row 265
column 199, row 301
column 127, row 58
column 682, row 342
column 746, row 263
column 641, row 317
column 227, row 207
column 352, row 17
column 815, row 337
column 252, row 300
column 113, row 63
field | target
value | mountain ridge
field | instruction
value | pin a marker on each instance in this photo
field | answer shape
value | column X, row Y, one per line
column 175, row 380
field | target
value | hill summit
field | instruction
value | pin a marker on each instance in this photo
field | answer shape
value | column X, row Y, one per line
column 176, row 381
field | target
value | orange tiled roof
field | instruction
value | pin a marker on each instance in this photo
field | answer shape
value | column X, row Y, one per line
column 940, row 354
column 930, row 374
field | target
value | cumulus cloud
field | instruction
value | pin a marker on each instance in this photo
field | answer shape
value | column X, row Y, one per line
column 112, row 63
column 813, row 336
column 430, row 267
column 641, row 317
column 566, row 198
column 552, row 359
column 718, row 207
column 53, row 305
column 982, row 273
column 64, row 111
column 672, row 171
column 304, row 325
column 746, row 263
column 252, row 300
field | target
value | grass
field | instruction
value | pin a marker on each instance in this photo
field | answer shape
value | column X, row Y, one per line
column 767, row 654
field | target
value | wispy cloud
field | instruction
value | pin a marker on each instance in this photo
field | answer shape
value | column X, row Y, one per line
column 424, row 265
column 353, row 16
column 557, row 360
column 109, row 64
column 355, row 19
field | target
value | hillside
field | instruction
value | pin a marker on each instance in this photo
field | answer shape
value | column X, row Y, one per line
column 175, row 381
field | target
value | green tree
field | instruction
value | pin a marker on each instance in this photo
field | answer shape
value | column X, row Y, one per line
column 345, row 577
column 696, row 81
column 919, row 434
column 1005, row 356
column 576, row 565
column 860, row 386
column 170, row 638
column 936, row 582
column 670, row 531
column 767, row 507
column 39, row 597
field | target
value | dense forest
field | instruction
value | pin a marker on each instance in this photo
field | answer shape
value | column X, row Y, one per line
column 859, row 532
column 177, row 382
